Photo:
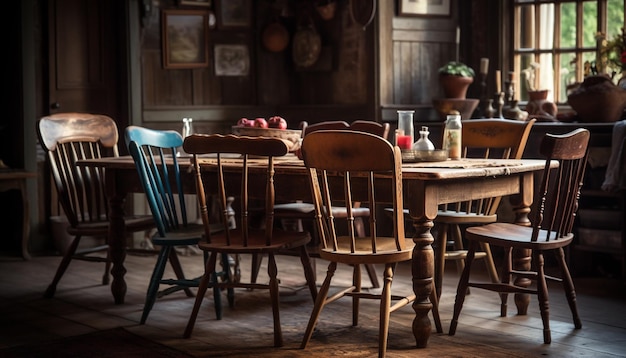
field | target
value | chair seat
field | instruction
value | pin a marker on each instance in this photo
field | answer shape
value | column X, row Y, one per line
column 462, row 217
column 512, row 235
column 101, row 227
column 189, row 235
column 256, row 241
column 298, row 209
column 386, row 251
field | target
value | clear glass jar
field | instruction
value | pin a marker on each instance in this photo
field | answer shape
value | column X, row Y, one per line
column 452, row 135
column 404, row 134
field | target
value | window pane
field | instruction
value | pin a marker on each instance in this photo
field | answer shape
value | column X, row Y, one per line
column 615, row 18
column 590, row 23
column 527, row 26
column 568, row 74
column 568, row 25
column 546, row 19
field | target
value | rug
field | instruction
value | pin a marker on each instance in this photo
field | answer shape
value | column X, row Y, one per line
column 117, row 342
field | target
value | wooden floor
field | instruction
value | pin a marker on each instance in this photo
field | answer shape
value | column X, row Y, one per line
column 81, row 306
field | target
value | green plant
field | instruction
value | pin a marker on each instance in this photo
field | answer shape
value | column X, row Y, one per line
column 456, row 68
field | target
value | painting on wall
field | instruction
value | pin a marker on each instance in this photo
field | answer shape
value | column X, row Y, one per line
column 233, row 13
column 232, row 60
column 184, row 35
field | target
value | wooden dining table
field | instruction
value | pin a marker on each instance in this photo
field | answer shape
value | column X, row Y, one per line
column 425, row 186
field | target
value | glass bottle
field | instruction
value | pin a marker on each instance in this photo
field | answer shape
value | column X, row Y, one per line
column 452, row 135
column 187, row 127
column 404, row 134
column 424, row 143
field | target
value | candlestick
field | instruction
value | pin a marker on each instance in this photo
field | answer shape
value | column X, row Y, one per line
column 484, row 65
column 498, row 82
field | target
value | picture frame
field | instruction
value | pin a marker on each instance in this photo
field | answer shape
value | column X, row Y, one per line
column 184, row 35
column 203, row 3
column 424, row 8
column 231, row 60
column 233, row 13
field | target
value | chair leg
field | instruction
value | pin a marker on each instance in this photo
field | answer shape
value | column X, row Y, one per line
column 542, row 295
column 440, row 261
column 204, row 284
column 256, row 266
column 568, row 286
column 65, row 262
column 356, row 282
column 178, row 270
column 385, row 304
column 491, row 266
column 457, row 237
column 309, row 274
column 272, row 271
column 434, row 300
column 462, row 287
column 371, row 272
column 506, row 279
column 153, row 286
column 320, row 302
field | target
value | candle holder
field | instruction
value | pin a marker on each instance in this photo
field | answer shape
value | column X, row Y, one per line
column 481, row 111
column 498, row 100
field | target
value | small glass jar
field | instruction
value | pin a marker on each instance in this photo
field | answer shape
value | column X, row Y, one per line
column 452, row 135
column 404, row 134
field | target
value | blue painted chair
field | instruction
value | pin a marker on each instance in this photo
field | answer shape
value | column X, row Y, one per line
column 164, row 193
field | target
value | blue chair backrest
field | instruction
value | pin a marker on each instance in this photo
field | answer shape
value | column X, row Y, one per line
column 149, row 149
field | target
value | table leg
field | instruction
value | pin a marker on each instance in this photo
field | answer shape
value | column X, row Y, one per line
column 117, row 246
column 422, row 269
column 521, row 257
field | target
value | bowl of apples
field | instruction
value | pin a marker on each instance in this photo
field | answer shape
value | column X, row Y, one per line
column 275, row 127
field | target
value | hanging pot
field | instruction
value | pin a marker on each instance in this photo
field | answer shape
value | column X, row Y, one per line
column 306, row 46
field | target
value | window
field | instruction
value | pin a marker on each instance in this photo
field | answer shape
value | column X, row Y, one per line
column 560, row 40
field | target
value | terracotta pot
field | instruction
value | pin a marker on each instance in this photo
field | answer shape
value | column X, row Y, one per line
column 455, row 86
column 597, row 99
column 537, row 95
column 464, row 106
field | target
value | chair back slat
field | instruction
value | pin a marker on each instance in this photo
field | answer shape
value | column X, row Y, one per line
column 68, row 138
column 348, row 166
column 257, row 156
column 560, row 187
column 149, row 149
column 490, row 139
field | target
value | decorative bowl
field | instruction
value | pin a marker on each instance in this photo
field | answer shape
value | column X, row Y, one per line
column 293, row 136
column 466, row 106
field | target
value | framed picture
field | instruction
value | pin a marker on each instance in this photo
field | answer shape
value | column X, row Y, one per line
column 424, row 7
column 184, row 35
column 205, row 3
column 231, row 60
column 233, row 13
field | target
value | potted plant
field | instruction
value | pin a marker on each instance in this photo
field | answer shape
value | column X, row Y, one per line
column 455, row 78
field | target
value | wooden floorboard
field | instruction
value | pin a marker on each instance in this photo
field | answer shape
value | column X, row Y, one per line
column 82, row 305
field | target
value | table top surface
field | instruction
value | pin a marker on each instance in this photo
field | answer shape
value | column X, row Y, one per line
column 290, row 164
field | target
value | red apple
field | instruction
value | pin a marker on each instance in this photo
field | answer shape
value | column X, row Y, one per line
column 245, row 122
column 260, row 122
column 277, row 122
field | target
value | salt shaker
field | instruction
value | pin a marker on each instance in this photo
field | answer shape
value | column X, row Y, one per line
column 452, row 135
column 424, row 143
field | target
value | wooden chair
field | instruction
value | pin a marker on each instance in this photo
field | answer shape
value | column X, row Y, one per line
column 257, row 173
column 551, row 231
column 67, row 138
column 306, row 211
column 164, row 192
column 360, row 159
column 482, row 138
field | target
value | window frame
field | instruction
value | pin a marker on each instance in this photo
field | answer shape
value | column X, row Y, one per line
column 513, row 51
